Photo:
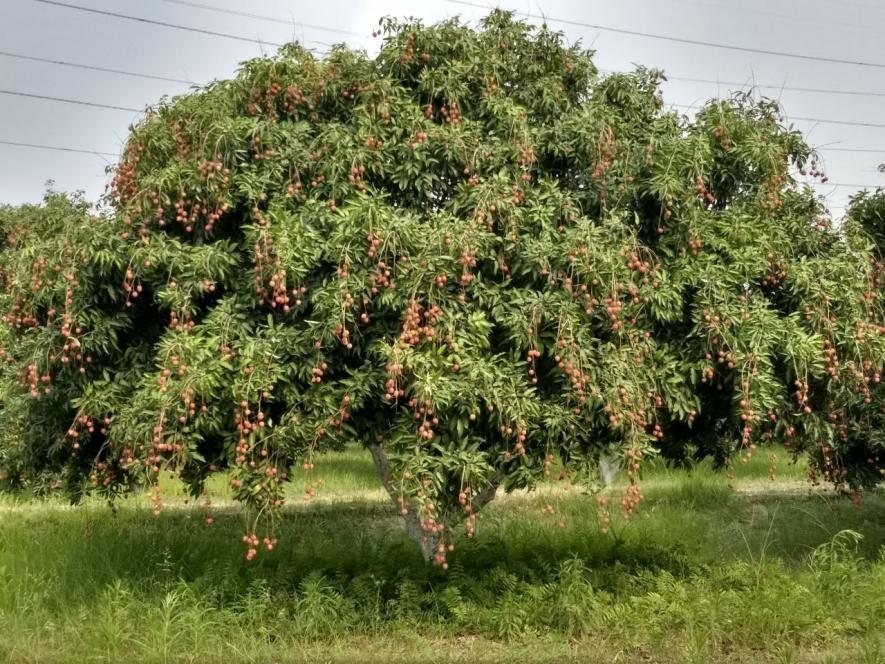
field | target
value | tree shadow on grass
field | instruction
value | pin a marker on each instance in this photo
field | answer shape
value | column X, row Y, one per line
column 677, row 531
column 93, row 547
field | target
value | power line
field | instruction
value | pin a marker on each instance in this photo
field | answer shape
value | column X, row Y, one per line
column 792, row 17
column 681, row 40
column 108, row 70
column 69, row 101
column 260, row 17
column 461, row 2
column 607, row 71
column 319, row 27
column 848, row 184
column 840, row 122
column 164, row 24
column 110, row 154
column 862, row 4
column 690, row 79
column 55, row 147
column 137, row 110
column 870, row 150
column 804, row 119
column 858, row 93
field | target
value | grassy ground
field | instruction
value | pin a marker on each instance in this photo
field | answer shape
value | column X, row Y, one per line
column 773, row 571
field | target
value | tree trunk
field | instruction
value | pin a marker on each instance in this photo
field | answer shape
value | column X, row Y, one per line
column 427, row 542
column 609, row 467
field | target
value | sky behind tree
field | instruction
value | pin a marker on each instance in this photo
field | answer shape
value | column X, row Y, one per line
column 846, row 30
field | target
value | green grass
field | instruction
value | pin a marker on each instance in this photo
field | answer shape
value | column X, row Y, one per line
column 774, row 571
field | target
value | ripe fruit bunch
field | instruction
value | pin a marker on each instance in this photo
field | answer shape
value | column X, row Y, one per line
column 472, row 253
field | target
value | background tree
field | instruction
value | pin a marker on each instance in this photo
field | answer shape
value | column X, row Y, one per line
column 868, row 211
column 866, row 214
column 471, row 253
column 59, row 270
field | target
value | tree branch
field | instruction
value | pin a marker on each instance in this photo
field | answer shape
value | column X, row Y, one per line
column 488, row 493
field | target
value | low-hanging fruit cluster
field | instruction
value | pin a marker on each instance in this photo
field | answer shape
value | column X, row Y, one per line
column 471, row 253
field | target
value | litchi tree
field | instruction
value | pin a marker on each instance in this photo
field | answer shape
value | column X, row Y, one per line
column 472, row 254
column 864, row 438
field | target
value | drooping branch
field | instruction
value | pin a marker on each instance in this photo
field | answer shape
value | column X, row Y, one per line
column 488, row 492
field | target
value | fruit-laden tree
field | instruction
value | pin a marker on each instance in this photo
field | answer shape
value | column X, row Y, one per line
column 471, row 253
column 868, row 211
column 867, row 214
column 59, row 273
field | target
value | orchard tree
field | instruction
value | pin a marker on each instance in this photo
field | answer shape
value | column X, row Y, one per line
column 59, row 275
column 867, row 210
column 866, row 214
column 471, row 253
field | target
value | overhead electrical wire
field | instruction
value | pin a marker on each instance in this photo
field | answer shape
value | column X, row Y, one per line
column 681, row 40
column 849, row 184
column 752, row 84
column 684, row 106
column 110, row 154
column 176, row 26
column 851, row 123
column 349, row 32
column 261, row 17
column 742, row 7
column 871, row 150
column 157, row 77
column 56, row 147
column 206, row 7
column 108, row 70
column 70, row 101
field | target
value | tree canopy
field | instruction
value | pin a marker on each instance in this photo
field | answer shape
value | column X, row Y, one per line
column 473, row 253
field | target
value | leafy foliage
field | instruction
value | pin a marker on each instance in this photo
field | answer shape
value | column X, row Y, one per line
column 867, row 214
column 473, row 253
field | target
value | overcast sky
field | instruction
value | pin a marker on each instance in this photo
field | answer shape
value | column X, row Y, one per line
column 839, row 29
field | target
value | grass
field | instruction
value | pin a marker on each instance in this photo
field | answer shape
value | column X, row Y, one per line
column 771, row 572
